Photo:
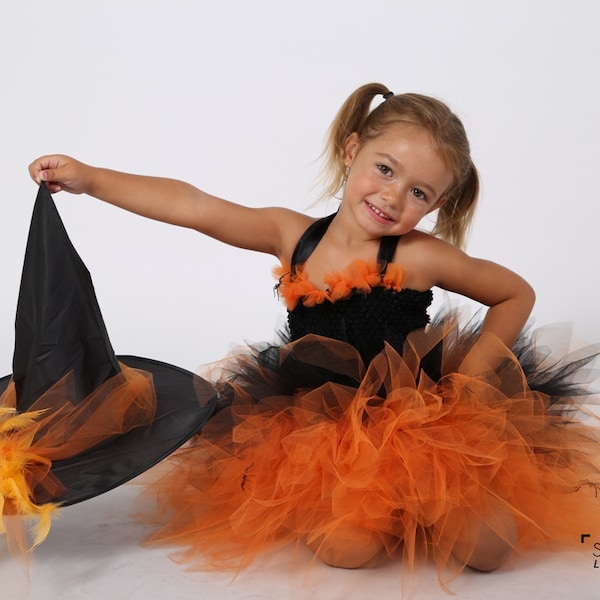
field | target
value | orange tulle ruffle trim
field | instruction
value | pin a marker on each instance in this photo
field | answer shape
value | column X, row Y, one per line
column 360, row 276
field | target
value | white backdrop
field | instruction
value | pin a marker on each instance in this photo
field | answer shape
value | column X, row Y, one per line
column 235, row 97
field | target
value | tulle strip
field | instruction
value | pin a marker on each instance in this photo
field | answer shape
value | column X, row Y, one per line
column 412, row 465
column 56, row 429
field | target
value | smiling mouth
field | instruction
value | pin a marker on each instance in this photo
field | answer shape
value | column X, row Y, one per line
column 379, row 212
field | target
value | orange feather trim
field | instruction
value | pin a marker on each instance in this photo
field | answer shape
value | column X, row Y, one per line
column 18, row 460
column 360, row 275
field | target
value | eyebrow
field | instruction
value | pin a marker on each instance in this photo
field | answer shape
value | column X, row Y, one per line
column 397, row 164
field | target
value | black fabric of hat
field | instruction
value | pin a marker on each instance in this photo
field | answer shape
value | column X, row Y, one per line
column 59, row 329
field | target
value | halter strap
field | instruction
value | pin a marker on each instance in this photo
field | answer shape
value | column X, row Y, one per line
column 312, row 236
column 387, row 249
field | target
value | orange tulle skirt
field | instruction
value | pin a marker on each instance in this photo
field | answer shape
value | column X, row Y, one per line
column 383, row 454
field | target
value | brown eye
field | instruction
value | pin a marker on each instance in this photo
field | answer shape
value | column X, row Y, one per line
column 418, row 193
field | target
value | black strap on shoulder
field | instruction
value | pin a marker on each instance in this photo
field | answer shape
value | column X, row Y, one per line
column 387, row 249
column 312, row 236
column 309, row 241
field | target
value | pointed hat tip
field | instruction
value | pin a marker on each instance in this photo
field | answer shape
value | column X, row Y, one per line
column 59, row 326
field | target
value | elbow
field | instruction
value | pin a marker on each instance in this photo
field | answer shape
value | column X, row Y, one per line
column 526, row 300
column 529, row 296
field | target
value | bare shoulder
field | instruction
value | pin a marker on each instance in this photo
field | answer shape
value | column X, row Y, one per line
column 288, row 226
column 426, row 259
column 429, row 261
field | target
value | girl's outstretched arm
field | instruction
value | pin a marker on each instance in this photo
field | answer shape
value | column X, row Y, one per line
column 269, row 230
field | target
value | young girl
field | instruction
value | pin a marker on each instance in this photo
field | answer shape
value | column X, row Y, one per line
column 367, row 430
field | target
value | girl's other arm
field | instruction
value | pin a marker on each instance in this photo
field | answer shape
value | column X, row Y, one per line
column 509, row 297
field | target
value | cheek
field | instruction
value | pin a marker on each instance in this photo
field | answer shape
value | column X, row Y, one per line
column 356, row 186
column 416, row 214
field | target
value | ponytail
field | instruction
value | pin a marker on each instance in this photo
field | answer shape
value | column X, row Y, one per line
column 349, row 119
column 455, row 216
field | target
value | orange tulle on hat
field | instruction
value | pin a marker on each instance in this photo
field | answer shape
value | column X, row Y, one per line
column 75, row 419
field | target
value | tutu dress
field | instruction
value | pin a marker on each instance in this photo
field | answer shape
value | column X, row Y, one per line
column 360, row 423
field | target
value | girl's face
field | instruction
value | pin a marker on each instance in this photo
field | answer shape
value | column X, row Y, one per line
column 394, row 180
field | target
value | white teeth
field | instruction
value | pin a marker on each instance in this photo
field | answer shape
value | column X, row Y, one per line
column 378, row 212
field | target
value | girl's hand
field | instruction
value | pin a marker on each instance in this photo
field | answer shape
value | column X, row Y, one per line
column 61, row 173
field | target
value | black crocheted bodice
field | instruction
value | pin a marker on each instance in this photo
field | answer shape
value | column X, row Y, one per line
column 374, row 308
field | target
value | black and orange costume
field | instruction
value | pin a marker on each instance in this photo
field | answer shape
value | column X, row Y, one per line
column 361, row 419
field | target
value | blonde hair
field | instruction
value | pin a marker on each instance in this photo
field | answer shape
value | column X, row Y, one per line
column 456, row 213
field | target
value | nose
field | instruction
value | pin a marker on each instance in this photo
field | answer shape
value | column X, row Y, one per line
column 392, row 195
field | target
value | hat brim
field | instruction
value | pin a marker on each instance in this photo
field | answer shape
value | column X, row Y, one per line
column 184, row 401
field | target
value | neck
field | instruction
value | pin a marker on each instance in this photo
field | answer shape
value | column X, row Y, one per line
column 347, row 233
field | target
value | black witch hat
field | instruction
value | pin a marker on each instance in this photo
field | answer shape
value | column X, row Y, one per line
column 65, row 374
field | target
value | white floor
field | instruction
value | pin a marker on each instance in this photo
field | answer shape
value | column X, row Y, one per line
column 94, row 552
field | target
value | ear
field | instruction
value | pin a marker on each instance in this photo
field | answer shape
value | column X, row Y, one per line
column 351, row 148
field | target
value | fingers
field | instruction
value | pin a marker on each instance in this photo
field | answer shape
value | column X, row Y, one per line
column 52, row 177
column 46, row 168
column 58, row 171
